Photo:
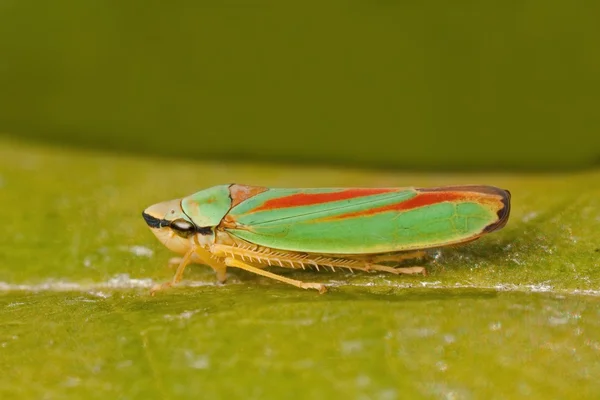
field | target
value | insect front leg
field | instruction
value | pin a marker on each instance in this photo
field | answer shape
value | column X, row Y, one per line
column 178, row 274
column 204, row 257
column 232, row 262
column 220, row 270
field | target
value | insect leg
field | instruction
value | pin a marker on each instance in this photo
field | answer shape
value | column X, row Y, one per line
column 232, row 262
column 398, row 257
column 178, row 274
column 204, row 256
column 397, row 271
column 174, row 262
column 219, row 269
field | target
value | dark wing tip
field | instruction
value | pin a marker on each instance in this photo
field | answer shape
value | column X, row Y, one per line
column 502, row 213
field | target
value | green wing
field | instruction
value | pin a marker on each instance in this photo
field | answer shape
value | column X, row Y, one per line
column 363, row 221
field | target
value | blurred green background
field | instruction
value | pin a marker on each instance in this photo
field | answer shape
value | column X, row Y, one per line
column 492, row 85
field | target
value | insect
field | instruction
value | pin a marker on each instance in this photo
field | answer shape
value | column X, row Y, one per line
column 253, row 227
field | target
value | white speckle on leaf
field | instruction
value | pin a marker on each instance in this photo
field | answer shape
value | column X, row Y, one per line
column 586, row 279
column 575, row 316
column 495, row 326
column 124, row 364
column 442, row 366
column 449, row 338
column 547, row 249
column 197, row 361
column 418, row 332
column 124, row 281
column 351, row 346
column 72, row 381
column 589, row 292
column 593, row 344
column 516, row 260
column 529, row 216
column 84, row 300
column 542, row 287
column 268, row 352
column 183, row 315
column 425, row 284
column 505, row 286
column 187, row 314
column 87, row 262
column 443, row 391
column 388, row 394
column 141, row 251
column 558, row 320
column 363, row 381
column 100, row 294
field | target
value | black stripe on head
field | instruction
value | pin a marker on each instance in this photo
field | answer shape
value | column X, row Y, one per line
column 152, row 222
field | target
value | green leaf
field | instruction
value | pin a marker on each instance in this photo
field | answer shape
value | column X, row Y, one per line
column 514, row 314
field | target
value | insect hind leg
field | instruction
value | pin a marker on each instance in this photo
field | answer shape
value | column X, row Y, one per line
column 232, row 262
column 267, row 257
column 416, row 270
column 398, row 257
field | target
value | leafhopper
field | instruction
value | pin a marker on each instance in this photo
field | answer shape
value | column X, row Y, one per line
column 366, row 229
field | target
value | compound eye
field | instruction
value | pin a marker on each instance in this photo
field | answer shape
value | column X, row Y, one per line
column 183, row 228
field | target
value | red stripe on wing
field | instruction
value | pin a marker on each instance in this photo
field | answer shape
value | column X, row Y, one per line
column 421, row 200
column 309, row 199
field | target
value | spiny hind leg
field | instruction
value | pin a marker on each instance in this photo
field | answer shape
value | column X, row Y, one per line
column 299, row 260
column 398, row 257
column 232, row 262
column 416, row 270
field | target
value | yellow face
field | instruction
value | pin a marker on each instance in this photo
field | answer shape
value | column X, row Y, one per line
column 170, row 225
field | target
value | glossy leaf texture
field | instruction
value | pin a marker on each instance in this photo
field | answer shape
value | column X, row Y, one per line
column 511, row 315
